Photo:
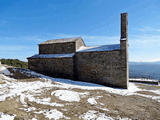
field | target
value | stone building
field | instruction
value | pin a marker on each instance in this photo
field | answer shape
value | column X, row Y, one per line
column 71, row 58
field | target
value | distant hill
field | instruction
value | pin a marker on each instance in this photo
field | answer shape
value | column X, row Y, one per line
column 14, row 62
column 145, row 70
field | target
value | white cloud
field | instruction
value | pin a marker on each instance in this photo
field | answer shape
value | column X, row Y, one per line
column 148, row 29
column 146, row 60
column 145, row 39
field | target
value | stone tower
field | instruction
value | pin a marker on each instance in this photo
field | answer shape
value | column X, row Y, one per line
column 124, row 25
column 124, row 46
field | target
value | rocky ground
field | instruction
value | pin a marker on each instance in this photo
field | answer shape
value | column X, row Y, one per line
column 26, row 95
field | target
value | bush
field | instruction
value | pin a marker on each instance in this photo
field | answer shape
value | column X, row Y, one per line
column 15, row 63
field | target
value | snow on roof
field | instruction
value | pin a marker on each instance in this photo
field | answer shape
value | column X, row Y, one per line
column 61, row 40
column 99, row 48
column 52, row 55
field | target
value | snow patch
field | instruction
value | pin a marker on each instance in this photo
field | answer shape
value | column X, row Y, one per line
column 4, row 70
column 130, row 91
column 6, row 116
column 154, row 91
column 67, row 95
column 34, row 119
column 22, row 99
column 13, row 88
column 44, row 101
column 92, row 101
column 94, row 115
column 29, row 109
column 52, row 114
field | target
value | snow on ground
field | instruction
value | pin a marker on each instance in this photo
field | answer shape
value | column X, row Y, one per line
column 6, row 116
column 66, row 83
column 92, row 101
column 11, row 88
column 143, row 79
column 132, row 87
column 52, row 114
column 4, row 70
column 70, row 84
column 67, row 95
column 94, row 115
column 34, row 119
column 14, row 88
column 29, row 109
column 44, row 101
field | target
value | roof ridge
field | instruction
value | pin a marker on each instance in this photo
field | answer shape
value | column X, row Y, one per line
column 61, row 40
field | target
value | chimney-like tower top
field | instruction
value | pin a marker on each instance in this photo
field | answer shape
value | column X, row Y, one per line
column 124, row 25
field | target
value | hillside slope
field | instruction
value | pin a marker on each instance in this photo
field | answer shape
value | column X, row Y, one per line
column 27, row 95
column 14, row 62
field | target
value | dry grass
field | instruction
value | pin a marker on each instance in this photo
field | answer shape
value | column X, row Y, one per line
column 148, row 87
column 148, row 93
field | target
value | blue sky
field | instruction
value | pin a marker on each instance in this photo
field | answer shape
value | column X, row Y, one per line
column 26, row 23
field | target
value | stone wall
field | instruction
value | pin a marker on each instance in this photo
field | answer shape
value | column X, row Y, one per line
column 55, row 67
column 57, row 48
column 100, row 67
column 124, row 25
column 124, row 61
column 108, row 68
column 61, row 47
column 79, row 43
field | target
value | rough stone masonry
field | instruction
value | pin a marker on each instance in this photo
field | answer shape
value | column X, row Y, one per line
column 71, row 58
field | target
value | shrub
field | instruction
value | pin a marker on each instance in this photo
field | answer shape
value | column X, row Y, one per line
column 15, row 63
